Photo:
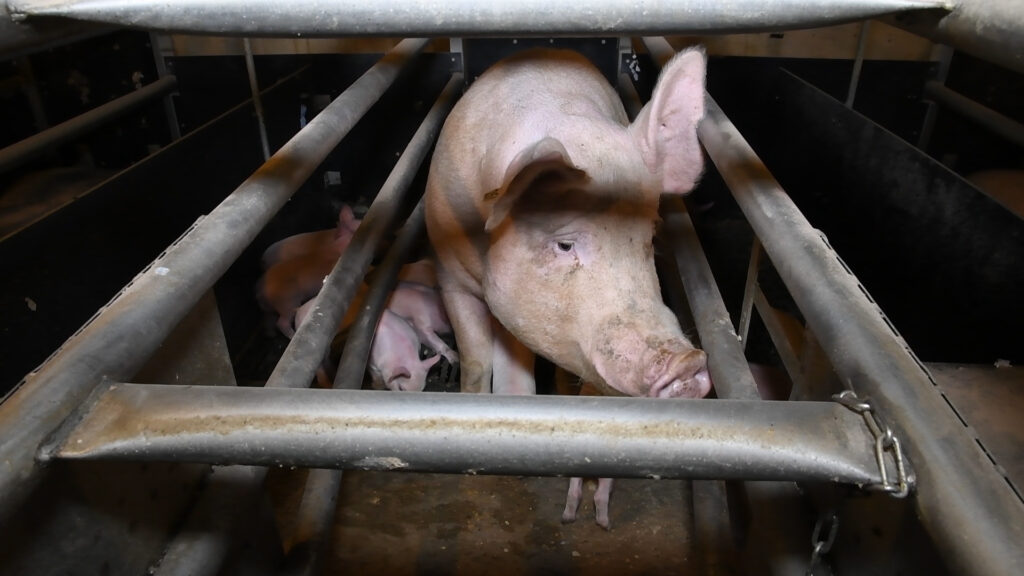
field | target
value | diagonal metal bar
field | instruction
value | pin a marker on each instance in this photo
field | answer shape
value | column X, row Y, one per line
column 466, row 17
column 120, row 338
column 469, row 434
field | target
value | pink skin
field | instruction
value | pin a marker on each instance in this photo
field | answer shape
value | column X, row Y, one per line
column 289, row 282
column 601, row 498
column 421, row 306
column 395, row 356
column 541, row 205
column 308, row 242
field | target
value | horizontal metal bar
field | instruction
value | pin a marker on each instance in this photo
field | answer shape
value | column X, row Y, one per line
column 121, row 337
column 993, row 121
column 18, row 38
column 466, row 17
column 471, row 434
column 20, row 152
column 965, row 504
column 992, row 30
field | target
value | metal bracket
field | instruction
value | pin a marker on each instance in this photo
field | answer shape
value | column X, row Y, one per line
column 885, row 441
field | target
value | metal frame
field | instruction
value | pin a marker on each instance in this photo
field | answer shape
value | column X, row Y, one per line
column 960, row 485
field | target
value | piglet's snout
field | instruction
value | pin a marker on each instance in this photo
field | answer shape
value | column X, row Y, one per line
column 685, row 375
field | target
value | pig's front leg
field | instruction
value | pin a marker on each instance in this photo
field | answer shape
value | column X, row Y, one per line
column 471, row 322
column 572, row 500
column 601, row 497
column 513, row 364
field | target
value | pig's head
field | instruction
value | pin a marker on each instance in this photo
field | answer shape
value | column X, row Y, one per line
column 571, row 262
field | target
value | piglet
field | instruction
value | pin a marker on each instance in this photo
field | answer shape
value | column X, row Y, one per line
column 308, row 242
column 395, row 361
column 299, row 269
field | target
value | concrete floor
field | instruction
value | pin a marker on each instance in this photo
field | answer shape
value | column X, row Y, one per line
column 408, row 523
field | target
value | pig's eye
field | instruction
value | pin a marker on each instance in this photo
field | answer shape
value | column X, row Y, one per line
column 565, row 246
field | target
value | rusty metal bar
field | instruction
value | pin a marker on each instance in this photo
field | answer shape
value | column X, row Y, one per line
column 465, row 17
column 470, row 434
column 116, row 342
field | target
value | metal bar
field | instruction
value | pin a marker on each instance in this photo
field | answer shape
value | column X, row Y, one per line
column 958, row 485
column 470, row 434
column 161, row 46
column 858, row 63
column 989, row 29
column 254, row 87
column 993, row 121
column 120, row 338
column 944, row 56
column 466, row 17
column 777, row 332
column 316, row 512
column 22, row 38
column 20, row 152
column 749, row 288
column 309, row 345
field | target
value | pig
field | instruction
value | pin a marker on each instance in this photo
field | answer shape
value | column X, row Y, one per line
column 1005, row 186
column 307, row 242
column 421, row 306
column 601, row 497
column 395, row 361
column 298, row 271
column 541, row 206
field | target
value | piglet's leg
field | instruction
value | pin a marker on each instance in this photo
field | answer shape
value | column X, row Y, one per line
column 572, row 500
column 426, row 333
column 471, row 321
column 601, row 497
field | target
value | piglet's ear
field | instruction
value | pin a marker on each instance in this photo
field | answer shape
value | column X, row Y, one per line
column 544, row 162
column 347, row 222
column 666, row 128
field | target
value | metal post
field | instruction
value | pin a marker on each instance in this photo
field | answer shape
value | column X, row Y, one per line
column 254, row 87
column 160, row 44
column 959, row 486
column 116, row 342
column 944, row 55
column 20, row 152
column 858, row 63
column 749, row 288
column 467, row 17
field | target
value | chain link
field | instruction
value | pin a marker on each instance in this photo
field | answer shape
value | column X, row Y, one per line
column 885, row 441
column 819, row 546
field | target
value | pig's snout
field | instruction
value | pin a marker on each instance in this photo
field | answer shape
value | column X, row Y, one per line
column 684, row 376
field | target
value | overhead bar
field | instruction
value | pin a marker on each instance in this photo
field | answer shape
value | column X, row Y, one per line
column 471, row 434
column 116, row 342
column 465, row 17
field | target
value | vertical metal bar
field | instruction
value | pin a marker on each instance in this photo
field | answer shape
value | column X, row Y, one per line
column 254, row 87
column 160, row 45
column 858, row 63
column 783, row 345
column 749, row 288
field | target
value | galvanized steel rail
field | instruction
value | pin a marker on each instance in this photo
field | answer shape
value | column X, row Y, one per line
column 472, row 434
column 465, row 17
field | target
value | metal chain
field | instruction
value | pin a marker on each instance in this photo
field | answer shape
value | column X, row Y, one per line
column 885, row 441
column 819, row 546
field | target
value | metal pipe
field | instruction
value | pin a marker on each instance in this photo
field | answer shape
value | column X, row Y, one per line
column 992, row 30
column 471, row 434
column 958, row 485
column 309, row 345
column 466, row 17
column 319, row 499
column 944, row 56
column 254, row 87
column 858, row 63
column 993, row 121
column 116, row 342
column 749, row 287
column 21, row 152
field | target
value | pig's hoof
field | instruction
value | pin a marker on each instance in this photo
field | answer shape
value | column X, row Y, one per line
column 604, row 523
column 568, row 517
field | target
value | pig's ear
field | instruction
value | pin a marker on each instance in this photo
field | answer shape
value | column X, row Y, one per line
column 666, row 129
column 545, row 161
